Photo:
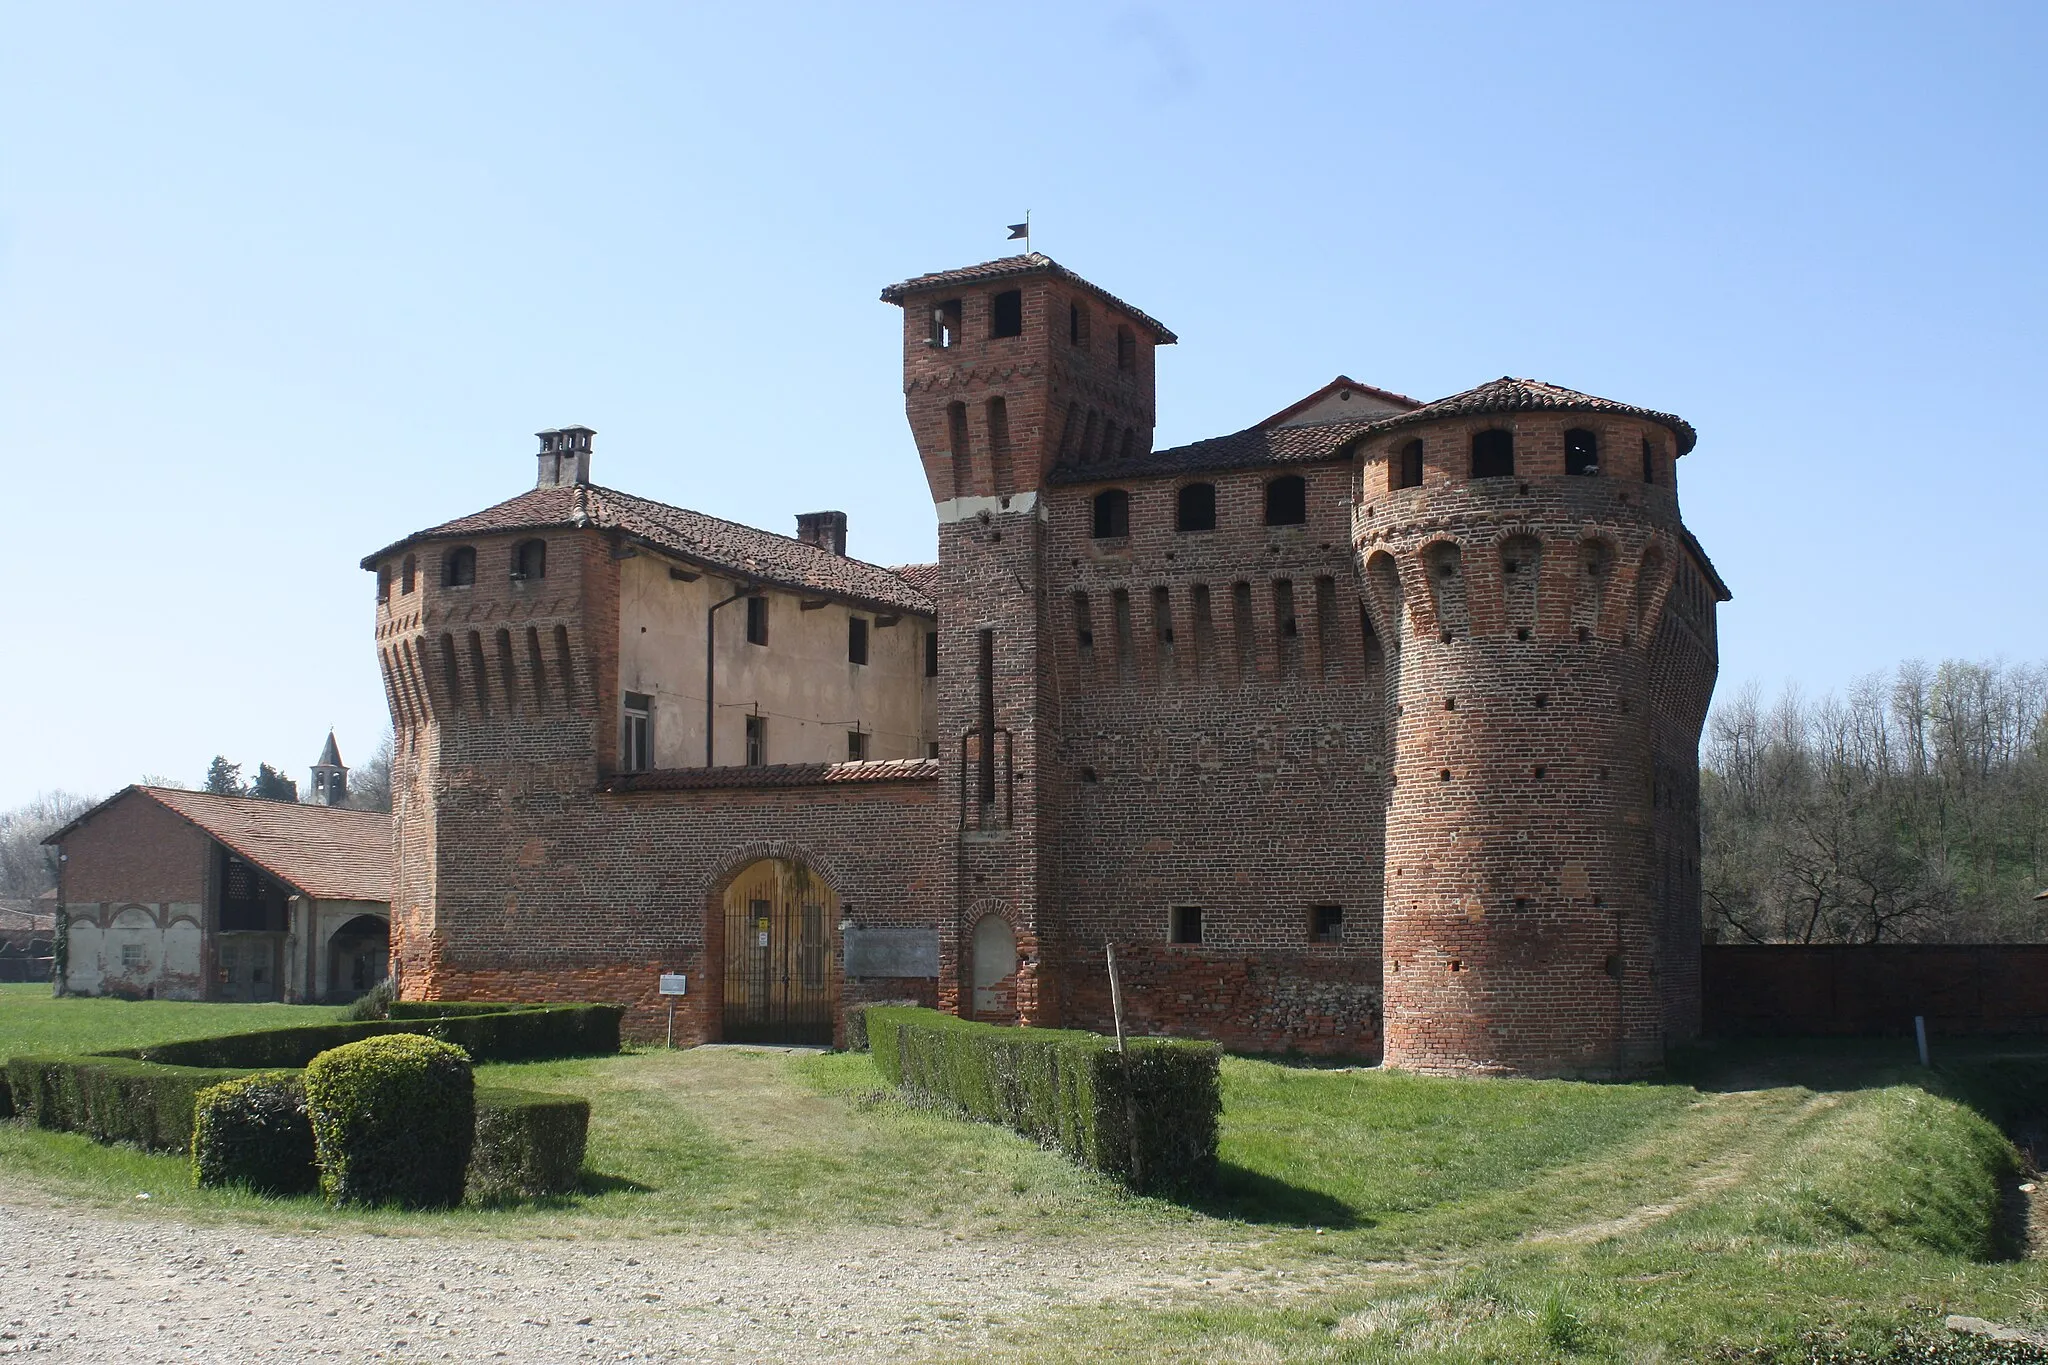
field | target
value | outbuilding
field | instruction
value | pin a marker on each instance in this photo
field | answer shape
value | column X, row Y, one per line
column 183, row 895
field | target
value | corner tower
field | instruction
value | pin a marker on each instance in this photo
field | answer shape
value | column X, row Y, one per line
column 1008, row 367
column 1552, row 651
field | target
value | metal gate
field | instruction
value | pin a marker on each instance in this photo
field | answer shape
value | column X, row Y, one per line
column 779, row 985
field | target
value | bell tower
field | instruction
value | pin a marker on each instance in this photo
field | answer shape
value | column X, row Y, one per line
column 1009, row 368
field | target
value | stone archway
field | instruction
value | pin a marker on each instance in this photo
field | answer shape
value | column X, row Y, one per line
column 358, row 956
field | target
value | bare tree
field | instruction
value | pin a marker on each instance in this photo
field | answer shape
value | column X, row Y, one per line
column 27, row 869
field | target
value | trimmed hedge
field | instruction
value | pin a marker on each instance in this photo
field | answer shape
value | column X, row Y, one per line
column 113, row 1099
column 255, row 1132
column 1067, row 1089
column 527, row 1144
column 493, row 1033
column 394, row 1118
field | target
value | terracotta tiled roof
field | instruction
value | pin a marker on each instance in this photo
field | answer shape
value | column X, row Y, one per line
column 26, row 917
column 1012, row 267
column 923, row 577
column 713, row 542
column 1508, row 394
column 1340, row 382
column 1253, row 448
column 327, row 853
column 775, row 775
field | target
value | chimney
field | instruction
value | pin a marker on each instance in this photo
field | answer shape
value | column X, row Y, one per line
column 826, row 530
column 564, row 457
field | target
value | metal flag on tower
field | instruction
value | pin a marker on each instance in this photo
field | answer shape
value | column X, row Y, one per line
column 1022, row 230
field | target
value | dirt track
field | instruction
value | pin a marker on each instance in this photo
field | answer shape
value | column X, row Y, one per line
column 85, row 1284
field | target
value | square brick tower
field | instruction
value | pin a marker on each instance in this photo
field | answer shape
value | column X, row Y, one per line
column 1007, row 367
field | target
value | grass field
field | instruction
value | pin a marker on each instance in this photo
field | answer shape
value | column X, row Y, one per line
column 1390, row 1216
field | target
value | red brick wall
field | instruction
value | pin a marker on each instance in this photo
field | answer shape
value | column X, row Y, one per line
column 1797, row 990
column 136, row 851
column 1527, row 930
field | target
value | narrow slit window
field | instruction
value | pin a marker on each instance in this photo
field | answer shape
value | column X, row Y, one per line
column 1493, row 454
column 1195, row 508
column 565, row 664
column 1162, row 615
column 1649, row 460
column 1126, row 350
column 407, row 573
column 1287, row 501
column 538, row 664
column 1283, row 610
column 1006, row 314
column 1205, row 625
column 1084, row 625
column 1077, row 324
column 1112, row 514
column 757, row 741
column 931, row 654
column 757, row 620
column 384, row 583
column 1581, row 453
column 856, row 639
column 996, row 414
column 1120, row 610
column 1241, row 622
column 956, row 443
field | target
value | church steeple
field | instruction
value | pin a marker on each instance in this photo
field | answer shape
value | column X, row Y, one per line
column 330, row 775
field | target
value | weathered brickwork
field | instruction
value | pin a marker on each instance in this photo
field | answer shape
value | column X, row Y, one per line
column 1344, row 751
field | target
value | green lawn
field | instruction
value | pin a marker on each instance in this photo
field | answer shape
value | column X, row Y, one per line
column 32, row 1020
column 1415, row 1218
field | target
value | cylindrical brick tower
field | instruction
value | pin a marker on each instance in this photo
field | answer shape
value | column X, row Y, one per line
column 1549, row 626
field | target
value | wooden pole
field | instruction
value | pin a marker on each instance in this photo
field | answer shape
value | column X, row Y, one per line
column 1116, row 1009
column 671, row 1021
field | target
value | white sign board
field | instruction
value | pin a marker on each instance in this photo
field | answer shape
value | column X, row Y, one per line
column 674, row 983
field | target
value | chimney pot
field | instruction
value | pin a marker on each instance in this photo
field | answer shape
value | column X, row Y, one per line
column 826, row 530
column 564, row 456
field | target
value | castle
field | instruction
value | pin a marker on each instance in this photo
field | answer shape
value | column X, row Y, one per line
column 1369, row 729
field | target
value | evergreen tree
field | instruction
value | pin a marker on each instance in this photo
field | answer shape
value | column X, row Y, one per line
column 223, row 778
column 272, row 785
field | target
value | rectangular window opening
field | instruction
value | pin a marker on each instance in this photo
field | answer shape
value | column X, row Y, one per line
column 757, row 741
column 856, row 639
column 856, row 747
column 1084, row 624
column 945, row 332
column 1006, row 314
column 757, row 620
column 1162, row 615
column 931, row 654
column 636, row 746
column 1326, row 924
column 1184, row 924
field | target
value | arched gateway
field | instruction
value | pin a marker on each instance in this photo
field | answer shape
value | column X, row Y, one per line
column 779, row 981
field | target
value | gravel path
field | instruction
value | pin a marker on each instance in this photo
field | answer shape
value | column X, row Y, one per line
column 85, row 1284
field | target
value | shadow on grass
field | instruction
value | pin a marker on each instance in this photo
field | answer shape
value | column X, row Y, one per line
column 597, row 1182
column 1249, row 1196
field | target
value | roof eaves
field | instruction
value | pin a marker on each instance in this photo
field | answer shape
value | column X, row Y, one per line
column 1033, row 263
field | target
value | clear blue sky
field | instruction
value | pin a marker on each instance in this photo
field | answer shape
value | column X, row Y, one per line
column 280, row 283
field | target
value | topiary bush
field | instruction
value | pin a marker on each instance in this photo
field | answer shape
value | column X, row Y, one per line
column 256, row 1133
column 375, row 1003
column 527, row 1144
column 1148, row 1116
column 488, row 1033
column 393, row 1119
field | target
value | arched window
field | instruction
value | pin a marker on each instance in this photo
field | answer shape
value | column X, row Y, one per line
column 1581, row 452
column 1112, row 513
column 530, row 560
column 1196, row 508
column 1408, row 466
column 1493, row 454
column 1286, row 501
column 458, row 567
column 384, row 583
column 406, row 573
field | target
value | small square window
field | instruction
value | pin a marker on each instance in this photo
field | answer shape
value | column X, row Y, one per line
column 131, row 957
column 757, row 620
column 856, row 747
column 856, row 639
column 1326, row 924
column 931, row 748
column 1184, row 924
